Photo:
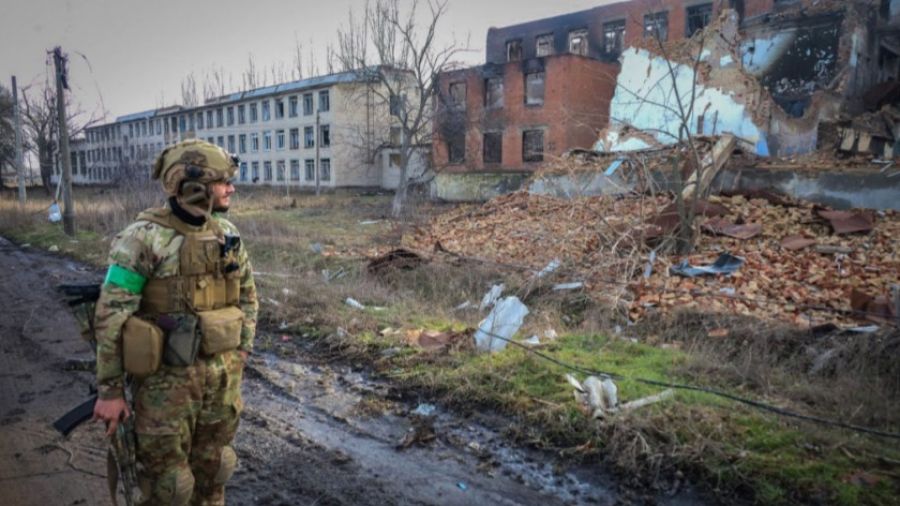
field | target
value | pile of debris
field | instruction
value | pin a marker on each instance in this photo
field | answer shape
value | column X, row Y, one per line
column 788, row 260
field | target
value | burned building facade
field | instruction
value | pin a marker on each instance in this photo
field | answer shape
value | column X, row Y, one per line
column 772, row 72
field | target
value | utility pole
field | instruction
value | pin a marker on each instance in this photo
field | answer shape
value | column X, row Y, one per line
column 20, row 162
column 318, row 139
column 61, row 86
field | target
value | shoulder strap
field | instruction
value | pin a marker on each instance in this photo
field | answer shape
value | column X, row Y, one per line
column 163, row 216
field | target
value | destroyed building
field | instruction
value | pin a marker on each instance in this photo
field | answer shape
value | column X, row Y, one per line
column 785, row 77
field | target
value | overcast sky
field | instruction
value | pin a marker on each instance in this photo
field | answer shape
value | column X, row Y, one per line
column 131, row 56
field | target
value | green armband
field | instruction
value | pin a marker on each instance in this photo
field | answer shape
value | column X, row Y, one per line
column 125, row 279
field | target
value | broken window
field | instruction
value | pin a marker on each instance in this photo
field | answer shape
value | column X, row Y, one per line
column 279, row 139
column 396, row 136
column 295, row 138
column 533, row 145
column 307, row 104
column 395, row 105
column 266, row 113
column 254, row 171
column 324, row 101
column 242, row 116
column 253, row 114
column 309, row 139
column 613, row 37
column 534, row 88
column 325, row 169
column 292, row 108
column 456, row 148
column 325, row 136
column 656, row 25
column 279, row 108
column 310, row 166
column 697, row 17
column 279, row 170
column 578, row 42
column 295, row 170
column 493, row 92
column 267, row 170
column 230, row 116
column 514, row 50
column 394, row 160
column 493, row 147
column 457, row 95
column 543, row 45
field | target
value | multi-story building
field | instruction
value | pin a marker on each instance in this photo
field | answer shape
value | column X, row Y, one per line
column 334, row 127
column 551, row 85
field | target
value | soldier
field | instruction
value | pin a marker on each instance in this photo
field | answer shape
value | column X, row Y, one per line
column 177, row 314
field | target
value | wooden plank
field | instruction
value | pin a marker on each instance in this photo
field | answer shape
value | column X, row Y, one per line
column 711, row 165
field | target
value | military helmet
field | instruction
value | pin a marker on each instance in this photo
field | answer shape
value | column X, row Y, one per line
column 186, row 168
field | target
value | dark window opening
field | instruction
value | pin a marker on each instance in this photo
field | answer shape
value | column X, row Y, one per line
column 493, row 147
column 543, row 45
column 458, row 95
column 578, row 42
column 656, row 25
column 534, row 88
column 533, row 145
column 493, row 92
column 613, row 37
column 456, row 149
column 514, row 50
column 698, row 17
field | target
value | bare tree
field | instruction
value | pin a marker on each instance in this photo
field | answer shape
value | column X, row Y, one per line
column 189, row 95
column 39, row 119
column 395, row 50
column 297, row 71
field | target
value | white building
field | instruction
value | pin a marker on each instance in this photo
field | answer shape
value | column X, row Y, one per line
column 337, row 126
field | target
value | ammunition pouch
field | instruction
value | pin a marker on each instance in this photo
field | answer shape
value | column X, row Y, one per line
column 221, row 329
column 142, row 347
column 182, row 340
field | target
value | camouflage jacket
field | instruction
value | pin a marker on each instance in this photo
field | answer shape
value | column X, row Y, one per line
column 148, row 250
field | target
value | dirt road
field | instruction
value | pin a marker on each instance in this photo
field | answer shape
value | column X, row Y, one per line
column 312, row 433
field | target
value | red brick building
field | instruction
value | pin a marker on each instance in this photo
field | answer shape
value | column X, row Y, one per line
column 546, row 85
column 515, row 115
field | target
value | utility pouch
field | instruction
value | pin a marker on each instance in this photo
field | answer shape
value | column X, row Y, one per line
column 221, row 329
column 142, row 346
column 182, row 341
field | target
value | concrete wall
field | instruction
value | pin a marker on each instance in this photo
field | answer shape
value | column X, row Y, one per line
column 475, row 187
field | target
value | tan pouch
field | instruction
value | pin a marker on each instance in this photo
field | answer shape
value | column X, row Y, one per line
column 142, row 346
column 221, row 329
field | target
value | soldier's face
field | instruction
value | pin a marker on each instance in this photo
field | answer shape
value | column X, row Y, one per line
column 221, row 195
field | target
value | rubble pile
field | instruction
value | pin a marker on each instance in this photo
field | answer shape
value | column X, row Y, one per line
column 801, row 263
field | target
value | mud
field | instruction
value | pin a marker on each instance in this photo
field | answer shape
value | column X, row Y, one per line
column 311, row 433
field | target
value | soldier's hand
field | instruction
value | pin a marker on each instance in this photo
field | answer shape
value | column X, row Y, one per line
column 111, row 411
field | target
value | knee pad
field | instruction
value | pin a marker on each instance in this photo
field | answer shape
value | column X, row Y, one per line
column 175, row 487
column 227, row 465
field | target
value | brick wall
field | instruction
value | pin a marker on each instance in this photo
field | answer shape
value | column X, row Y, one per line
column 577, row 93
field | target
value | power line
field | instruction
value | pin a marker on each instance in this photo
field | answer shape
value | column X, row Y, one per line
column 750, row 402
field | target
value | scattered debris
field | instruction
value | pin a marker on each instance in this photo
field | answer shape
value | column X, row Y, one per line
column 532, row 341
column 350, row 301
column 599, row 397
column 462, row 486
column 399, row 259
column 552, row 266
column 725, row 264
column 369, row 222
column 500, row 325
column 712, row 163
column 646, row 401
column 491, row 296
column 796, row 242
column 53, row 249
column 316, row 248
column 721, row 226
column 55, row 216
column 424, row 410
column 575, row 285
column 464, row 305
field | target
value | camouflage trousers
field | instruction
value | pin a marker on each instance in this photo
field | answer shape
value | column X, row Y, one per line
column 185, row 420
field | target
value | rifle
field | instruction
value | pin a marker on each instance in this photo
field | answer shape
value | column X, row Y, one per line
column 120, row 459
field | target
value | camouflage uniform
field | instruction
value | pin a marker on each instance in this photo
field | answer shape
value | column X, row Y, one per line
column 185, row 417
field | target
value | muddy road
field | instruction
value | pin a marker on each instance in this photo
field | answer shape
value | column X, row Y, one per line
column 311, row 432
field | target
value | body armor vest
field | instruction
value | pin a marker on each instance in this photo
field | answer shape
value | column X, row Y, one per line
column 207, row 280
